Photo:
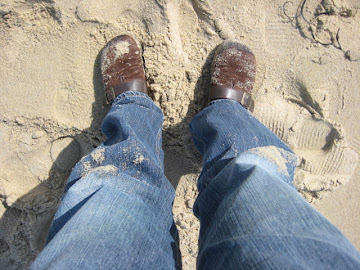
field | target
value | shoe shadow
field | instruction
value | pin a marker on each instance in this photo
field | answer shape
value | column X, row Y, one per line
column 181, row 156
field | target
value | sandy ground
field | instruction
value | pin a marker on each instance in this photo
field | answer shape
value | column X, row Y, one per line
column 51, row 102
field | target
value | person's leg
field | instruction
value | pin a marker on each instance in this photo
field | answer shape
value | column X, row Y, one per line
column 251, row 215
column 116, row 212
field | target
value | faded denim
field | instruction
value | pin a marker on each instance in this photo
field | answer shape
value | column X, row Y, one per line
column 116, row 211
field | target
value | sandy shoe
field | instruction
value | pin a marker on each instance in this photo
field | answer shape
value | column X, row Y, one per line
column 233, row 74
column 122, row 67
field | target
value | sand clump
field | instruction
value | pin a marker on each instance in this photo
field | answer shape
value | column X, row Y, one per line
column 52, row 98
column 98, row 156
column 277, row 156
column 139, row 159
column 119, row 49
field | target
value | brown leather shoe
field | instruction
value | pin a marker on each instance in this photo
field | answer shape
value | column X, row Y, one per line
column 233, row 74
column 122, row 67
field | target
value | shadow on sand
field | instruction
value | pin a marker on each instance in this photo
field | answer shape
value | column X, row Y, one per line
column 25, row 223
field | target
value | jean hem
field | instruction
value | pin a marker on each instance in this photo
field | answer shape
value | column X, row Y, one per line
column 129, row 94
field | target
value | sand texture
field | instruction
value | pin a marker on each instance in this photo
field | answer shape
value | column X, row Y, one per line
column 52, row 102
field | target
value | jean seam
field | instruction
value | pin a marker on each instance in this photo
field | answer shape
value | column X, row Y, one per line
column 158, row 145
column 125, row 95
column 196, row 137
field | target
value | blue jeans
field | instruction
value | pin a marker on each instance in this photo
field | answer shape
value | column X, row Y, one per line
column 116, row 211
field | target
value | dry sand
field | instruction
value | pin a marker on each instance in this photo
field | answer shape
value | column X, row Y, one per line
column 52, row 101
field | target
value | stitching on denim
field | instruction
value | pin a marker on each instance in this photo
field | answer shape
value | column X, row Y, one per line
column 158, row 145
column 125, row 95
column 118, row 98
column 194, row 135
column 197, row 137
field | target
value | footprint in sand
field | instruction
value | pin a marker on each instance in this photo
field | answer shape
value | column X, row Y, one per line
column 325, row 160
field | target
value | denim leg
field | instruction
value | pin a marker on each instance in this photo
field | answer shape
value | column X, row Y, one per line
column 250, row 213
column 116, row 211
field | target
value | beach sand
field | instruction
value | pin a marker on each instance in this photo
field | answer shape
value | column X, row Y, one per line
column 52, row 101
